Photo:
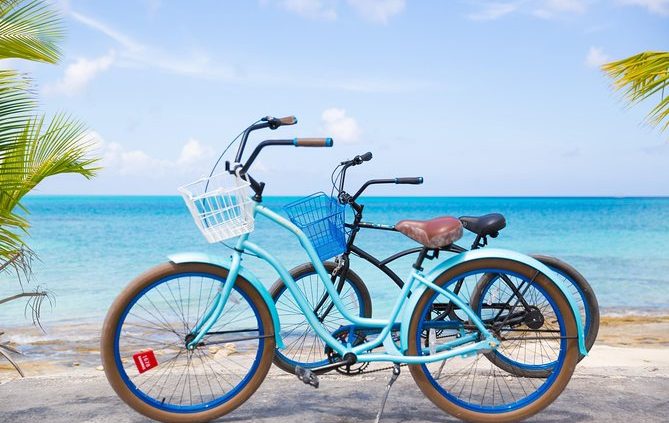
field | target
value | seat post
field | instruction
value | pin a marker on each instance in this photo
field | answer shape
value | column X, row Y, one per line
column 418, row 265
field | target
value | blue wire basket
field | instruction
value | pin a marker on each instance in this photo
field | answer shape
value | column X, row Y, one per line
column 321, row 218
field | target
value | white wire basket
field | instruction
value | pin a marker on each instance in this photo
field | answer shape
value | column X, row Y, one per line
column 220, row 206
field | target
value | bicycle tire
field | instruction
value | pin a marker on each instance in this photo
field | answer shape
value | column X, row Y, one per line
column 126, row 382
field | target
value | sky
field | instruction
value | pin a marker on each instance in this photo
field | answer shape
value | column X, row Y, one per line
column 481, row 98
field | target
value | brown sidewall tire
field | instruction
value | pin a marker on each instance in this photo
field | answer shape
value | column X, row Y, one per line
column 548, row 396
column 586, row 289
column 590, row 302
column 278, row 288
column 132, row 290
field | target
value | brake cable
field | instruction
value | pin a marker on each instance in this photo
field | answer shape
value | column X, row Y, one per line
column 214, row 168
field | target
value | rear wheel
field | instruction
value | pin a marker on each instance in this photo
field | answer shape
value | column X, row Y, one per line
column 473, row 388
column 154, row 317
column 493, row 297
column 585, row 297
column 303, row 347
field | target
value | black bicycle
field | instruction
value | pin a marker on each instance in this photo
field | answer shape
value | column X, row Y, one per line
column 497, row 297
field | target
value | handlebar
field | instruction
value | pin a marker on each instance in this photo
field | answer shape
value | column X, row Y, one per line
column 411, row 181
column 346, row 198
column 312, row 142
column 276, row 122
column 271, row 123
column 359, row 159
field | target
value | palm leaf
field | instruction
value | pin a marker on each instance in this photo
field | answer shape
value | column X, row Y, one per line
column 30, row 30
column 11, row 244
column 40, row 152
column 641, row 77
column 16, row 105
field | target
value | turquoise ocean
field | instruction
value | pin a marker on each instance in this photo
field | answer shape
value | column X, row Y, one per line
column 90, row 247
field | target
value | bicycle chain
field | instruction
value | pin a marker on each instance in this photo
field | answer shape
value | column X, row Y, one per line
column 364, row 372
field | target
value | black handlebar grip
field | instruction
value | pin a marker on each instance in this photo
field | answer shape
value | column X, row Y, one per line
column 413, row 181
column 288, row 120
column 312, row 142
column 366, row 157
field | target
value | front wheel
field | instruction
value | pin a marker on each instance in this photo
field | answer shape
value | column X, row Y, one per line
column 472, row 388
column 149, row 325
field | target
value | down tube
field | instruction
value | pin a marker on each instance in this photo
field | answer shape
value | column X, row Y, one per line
column 320, row 269
column 299, row 297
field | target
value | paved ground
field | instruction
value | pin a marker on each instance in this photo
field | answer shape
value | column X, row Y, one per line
column 601, row 394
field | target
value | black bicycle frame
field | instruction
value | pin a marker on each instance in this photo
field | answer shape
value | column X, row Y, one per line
column 343, row 265
column 342, row 268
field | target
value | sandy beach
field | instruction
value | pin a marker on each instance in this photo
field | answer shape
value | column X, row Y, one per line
column 624, row 378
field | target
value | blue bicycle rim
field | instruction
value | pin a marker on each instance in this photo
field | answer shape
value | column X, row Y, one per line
column 505, row 407
column 186, row 409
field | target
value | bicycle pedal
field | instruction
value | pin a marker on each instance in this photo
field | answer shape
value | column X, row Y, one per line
column 306, row 376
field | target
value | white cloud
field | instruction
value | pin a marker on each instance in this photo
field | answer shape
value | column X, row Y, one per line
column 192, row 159
column 80, row 73
column 545, row 9
column 378, row 10
column 553, row 8
column 135, row 54
column 339, row 126
column 313, row 9
column 596, row 57
column 112, row 33
column 495, row 10
column 658, row 7
column 194, row 153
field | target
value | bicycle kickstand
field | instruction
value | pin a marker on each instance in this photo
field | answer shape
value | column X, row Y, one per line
column 393, row 378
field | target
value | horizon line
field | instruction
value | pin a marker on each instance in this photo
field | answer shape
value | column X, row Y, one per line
column 659, row 196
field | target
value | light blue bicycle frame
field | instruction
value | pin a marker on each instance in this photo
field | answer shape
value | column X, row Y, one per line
column 417, row 281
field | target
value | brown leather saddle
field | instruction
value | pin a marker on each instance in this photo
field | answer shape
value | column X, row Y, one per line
column 434, row 233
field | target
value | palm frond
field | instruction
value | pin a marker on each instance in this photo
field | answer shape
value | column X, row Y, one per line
column 641, row 77
column 42, row 151
column 16, row 104
column 30, row 30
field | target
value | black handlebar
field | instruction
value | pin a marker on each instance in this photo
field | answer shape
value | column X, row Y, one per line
column 346, row 198
column 364, row 157
column 359, row 159
column 276, row 122
column 412, row 181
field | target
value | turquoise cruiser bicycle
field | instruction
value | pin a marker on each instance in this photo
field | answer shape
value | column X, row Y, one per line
column 192, row 339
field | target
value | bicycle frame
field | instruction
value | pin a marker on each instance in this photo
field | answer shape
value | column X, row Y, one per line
column 479, row 242
column 416, row 281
